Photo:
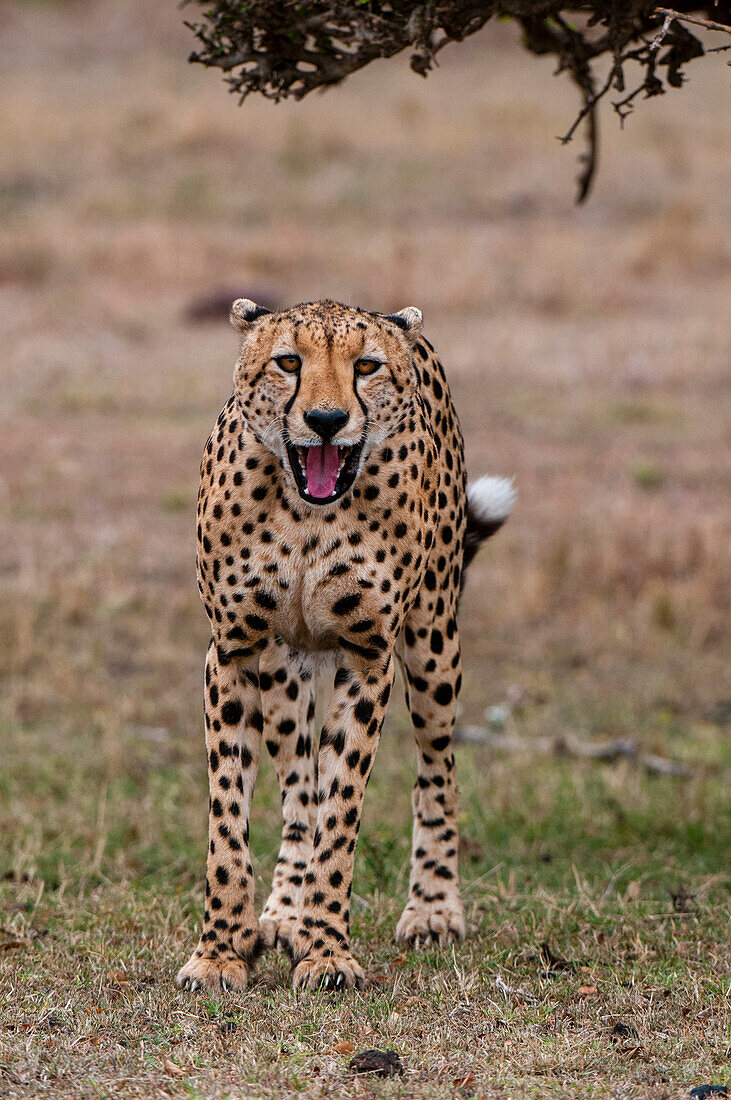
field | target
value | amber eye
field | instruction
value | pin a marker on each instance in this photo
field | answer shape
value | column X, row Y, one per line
column 367, row 366
column 288, row 363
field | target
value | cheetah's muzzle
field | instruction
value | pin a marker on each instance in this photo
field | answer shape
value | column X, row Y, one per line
column 324, row 473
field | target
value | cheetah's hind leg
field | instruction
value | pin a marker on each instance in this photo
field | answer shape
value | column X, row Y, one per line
column 431, row 663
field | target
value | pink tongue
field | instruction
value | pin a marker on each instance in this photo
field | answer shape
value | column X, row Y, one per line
column 322, row 470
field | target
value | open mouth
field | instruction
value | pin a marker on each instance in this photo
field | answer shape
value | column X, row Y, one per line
column 324, row 473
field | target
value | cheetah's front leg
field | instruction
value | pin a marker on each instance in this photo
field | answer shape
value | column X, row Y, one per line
column 288, row 704
column 321, row 942
column 225, row 952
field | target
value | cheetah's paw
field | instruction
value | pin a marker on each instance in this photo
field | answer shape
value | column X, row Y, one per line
column 332, row 973
column 276, row 930
column 222, row 975
column 424, row 924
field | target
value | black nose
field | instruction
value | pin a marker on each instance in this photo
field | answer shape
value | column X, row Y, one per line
column 326, row 422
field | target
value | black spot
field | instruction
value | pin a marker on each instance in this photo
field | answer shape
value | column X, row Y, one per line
column 231, row 712
column 363, row 711
column 346, row 604
column 362, row 626
column 256, row 622
column 443, row 694
column 263, row 599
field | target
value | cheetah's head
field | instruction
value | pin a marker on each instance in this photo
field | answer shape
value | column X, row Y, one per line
column 322, row 385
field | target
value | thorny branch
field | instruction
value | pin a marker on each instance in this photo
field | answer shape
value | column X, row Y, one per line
column 289, row 49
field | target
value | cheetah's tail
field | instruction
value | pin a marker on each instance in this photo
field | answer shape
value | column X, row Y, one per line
column 490, row 501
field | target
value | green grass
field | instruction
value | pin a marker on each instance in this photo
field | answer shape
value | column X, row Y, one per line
column 103, row 875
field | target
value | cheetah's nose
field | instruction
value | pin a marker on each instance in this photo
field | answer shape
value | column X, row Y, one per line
column 326, row 422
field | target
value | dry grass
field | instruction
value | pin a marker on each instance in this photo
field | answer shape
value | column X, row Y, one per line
column 588, row 352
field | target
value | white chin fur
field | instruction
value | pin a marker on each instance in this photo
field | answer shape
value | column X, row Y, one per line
column 492, row 498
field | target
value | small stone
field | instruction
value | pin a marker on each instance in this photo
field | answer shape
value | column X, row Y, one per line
column 385, row 1063
column 623, row 1031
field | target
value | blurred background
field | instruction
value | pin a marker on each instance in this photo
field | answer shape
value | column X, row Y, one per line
column 588, row 350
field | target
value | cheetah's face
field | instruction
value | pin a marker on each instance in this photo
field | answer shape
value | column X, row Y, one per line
column 322, row 385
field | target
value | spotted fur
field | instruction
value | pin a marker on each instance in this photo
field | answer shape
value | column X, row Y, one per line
column 354, row 583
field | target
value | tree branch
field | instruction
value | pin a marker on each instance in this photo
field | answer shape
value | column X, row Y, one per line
column 281, row 50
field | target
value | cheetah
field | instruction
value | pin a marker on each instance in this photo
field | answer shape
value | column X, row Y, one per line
column 334, row 529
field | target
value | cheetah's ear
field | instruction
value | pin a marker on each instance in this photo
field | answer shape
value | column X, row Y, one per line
column 244, row 311
column 409, row 321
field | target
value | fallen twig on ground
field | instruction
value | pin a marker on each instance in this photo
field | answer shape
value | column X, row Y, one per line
column 509, row 991
column 605, row 751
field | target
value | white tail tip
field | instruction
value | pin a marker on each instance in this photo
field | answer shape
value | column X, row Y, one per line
column 492, row 498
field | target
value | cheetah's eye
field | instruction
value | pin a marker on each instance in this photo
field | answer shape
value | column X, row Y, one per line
column 367, row 366
column 289, row 363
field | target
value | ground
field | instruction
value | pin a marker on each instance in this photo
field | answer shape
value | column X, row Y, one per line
column 587, row 351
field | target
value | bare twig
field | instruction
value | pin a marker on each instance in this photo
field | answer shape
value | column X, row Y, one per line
column 509, row 991
column 709, row 24
column 671, row 916
column 606, row 751
column 660, row 765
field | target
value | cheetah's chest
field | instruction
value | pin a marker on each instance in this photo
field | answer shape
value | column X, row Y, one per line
column 312, row 582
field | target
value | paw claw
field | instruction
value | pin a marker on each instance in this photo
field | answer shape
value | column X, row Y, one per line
column 329, row 974
column 213, row 975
